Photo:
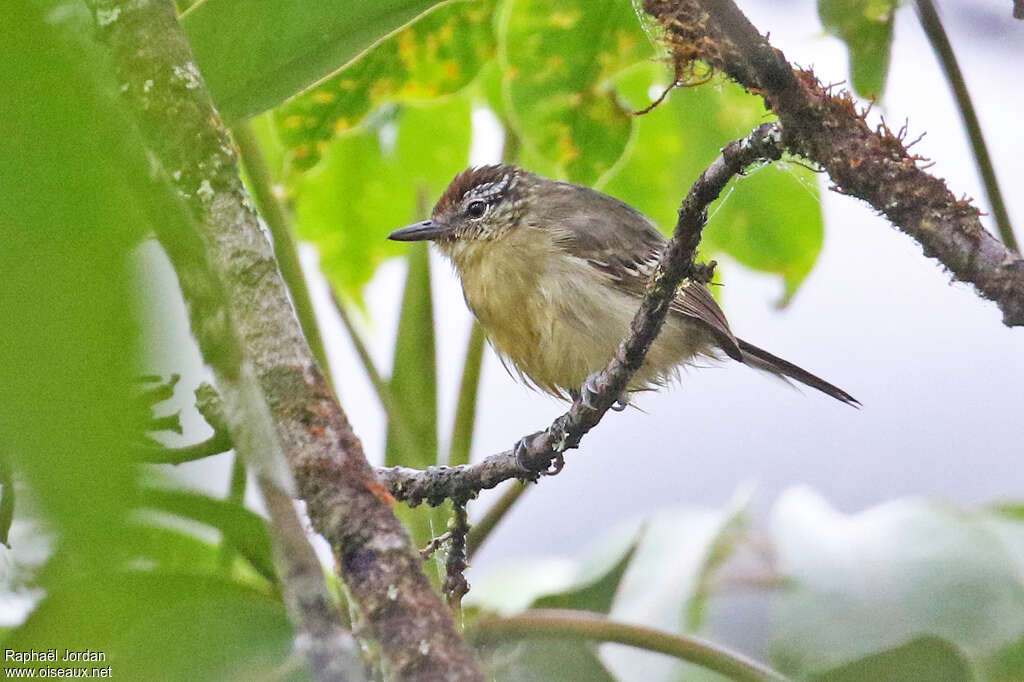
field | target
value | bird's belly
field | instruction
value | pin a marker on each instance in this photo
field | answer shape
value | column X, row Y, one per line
column 567, row 325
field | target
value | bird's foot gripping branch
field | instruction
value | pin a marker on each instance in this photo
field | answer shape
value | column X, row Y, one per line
column 543, row 451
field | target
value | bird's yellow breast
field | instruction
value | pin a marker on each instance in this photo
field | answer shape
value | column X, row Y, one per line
column 555, row 317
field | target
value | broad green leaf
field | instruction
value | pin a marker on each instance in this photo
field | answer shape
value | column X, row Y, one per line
column 589, row 583
column 413, row 383
column 162, row 547
column 414, row 369
column 872, row 581
column 539, row 659
column 245, row 530
column 364, row 189
column 76, row 198
column 254, row 56
column 866, row 28
column 558, row 62
column 925, row 659
column 1007, row 665
column 461, row 442
column 437, row 55
column 513, row 586
column 74, row 183
column 598, row 581
column 162, row 626
column 769, row 220
column 591, row 586
column 665, row 586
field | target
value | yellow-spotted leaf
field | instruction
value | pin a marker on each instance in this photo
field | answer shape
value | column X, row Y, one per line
column 558, row 61
column 435, row 56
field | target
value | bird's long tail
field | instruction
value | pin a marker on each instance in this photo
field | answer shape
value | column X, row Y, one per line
column 762, row 359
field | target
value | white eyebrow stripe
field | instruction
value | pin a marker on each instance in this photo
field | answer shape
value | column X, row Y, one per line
column 488, row 191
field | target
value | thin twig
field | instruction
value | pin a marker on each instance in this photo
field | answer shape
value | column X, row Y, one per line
column 455, row 584
column 585, row 625
column 435, row 544
column 827, row 129
column 539, row 452
column 932, row 26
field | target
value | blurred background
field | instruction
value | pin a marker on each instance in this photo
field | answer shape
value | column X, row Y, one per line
column 817, row 485
column 939, row 376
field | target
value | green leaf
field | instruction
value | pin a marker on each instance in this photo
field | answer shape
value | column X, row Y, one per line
column 558, row 63
column 155, row 626
column 538, row 659
column 254, row 56
column 465, row 408
column 414, row 370
column 437, row 55
column 413, row 384
column 595, row 587
column 924, row 659
column 512, row 586
column 245, row 530
column 162, row 547
column 769, row 220
column 587, row 585
column 364, row 189
column 871, row 581
column 666, row 584
column 1007, row 665
column 866, row 28
column 654, row 572
column 75, row 184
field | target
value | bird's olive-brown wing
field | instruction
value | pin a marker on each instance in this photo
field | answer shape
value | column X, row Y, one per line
column 622, row 243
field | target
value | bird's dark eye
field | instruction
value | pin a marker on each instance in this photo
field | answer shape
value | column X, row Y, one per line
column 476, row 209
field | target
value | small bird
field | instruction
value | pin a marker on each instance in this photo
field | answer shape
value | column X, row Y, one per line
column 555, row 272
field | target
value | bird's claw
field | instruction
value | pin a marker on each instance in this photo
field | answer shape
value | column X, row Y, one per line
column 522, row 451
column 589, row 391
column 523, row 457
column 556, row 465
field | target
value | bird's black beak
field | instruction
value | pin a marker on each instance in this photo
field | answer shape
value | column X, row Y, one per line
column 421, row 231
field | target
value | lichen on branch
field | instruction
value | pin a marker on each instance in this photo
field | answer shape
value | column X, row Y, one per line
column 824, row 126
